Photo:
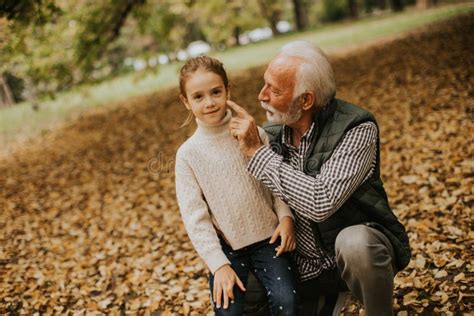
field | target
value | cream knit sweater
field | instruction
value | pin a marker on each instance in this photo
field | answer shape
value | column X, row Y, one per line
column 216, row 193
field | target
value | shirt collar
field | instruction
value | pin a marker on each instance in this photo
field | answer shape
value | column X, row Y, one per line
column 286, row 134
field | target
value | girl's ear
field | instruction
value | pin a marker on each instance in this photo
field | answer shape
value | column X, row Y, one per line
column 185, row 101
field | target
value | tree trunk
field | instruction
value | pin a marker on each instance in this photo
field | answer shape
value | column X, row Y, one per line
column 6, row 96
column 301, row 18
column 271, row 15
column 425, row 4
column 236, row 34
column 397, row 5
column 352, row 5
column 381, row 4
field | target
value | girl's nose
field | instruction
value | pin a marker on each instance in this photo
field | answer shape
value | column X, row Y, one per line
column 210, row 103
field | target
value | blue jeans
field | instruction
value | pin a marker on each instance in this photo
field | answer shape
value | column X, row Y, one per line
column 274, row 273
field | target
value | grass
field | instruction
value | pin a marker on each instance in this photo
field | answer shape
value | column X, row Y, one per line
column 21, row 122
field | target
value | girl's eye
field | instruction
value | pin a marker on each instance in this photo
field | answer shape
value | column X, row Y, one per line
column 217, row 92
column 197, row 97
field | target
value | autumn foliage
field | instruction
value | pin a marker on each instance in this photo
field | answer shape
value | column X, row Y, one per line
column 89, row 221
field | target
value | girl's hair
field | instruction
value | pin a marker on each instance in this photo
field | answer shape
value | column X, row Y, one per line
column 194, row 64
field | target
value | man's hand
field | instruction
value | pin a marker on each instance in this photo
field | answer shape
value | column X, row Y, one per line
column 244, row 129
column 286, row 232
column 224, row 280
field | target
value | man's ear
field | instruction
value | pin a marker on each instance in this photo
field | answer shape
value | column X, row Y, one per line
column 307, row 100
column 185, row 101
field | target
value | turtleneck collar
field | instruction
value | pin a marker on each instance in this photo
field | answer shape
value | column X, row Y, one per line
column 217, row 128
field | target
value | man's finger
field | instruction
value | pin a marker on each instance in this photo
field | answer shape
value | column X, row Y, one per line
column 240, row 284
column 240, row 111
column 237, row 119
column 235, row 125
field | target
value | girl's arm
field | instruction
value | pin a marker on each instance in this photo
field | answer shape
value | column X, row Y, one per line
column 195, row 215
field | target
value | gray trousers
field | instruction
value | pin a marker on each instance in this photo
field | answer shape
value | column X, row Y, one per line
column 365, row 266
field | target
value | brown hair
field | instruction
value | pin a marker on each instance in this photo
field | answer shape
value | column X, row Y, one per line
column 194, row 64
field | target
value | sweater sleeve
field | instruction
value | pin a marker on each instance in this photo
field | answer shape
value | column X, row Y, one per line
column 196, row 217
column 279, row 207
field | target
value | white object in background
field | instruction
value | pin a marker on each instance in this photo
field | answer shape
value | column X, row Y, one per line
column 198, row 48
column 283, row 26
column 181, row 55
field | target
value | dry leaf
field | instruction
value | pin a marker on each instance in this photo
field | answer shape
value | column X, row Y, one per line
column 441, row 274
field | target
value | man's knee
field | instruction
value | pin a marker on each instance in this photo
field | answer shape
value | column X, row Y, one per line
column 361, row 247
column 353, row 246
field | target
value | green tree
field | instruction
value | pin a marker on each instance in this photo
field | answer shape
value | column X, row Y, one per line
column 234, row 18
column 101, row 25
column 334, row 10
column 271, row 10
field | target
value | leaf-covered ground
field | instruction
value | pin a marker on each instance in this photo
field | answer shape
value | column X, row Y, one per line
column 89, row 223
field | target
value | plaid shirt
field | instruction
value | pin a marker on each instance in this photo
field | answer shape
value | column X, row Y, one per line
column 316, row 198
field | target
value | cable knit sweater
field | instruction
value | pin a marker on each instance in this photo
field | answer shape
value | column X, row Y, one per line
column 216, row 194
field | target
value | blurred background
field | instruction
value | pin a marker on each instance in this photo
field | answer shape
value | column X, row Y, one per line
column 90, row 53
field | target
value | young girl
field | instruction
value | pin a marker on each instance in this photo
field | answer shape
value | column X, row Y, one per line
column 232, row 220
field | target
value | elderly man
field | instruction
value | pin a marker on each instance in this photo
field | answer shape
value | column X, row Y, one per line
column 323, row 160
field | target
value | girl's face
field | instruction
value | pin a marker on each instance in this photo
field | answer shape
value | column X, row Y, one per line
column 206, row 96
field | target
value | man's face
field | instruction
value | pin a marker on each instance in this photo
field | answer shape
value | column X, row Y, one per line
column 276, row 96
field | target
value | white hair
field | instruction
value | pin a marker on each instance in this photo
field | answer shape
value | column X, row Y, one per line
column 314, row 73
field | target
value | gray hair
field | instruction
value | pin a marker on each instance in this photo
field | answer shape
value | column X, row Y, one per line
column 314, row 73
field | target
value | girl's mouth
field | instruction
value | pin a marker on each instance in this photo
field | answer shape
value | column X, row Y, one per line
column 217, row 110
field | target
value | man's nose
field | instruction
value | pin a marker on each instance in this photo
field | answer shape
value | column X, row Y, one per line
column 263, row 95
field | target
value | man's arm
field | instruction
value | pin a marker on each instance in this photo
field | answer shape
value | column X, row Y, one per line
column 317, row 198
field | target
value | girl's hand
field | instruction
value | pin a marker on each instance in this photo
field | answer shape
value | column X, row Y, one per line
column 286, row 231
column 224, row 280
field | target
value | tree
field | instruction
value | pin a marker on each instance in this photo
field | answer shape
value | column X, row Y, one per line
column 6, row 97
column 234, row 18
column 101, row 27
column 301, row 17
column 271, row 10
column 425, row 4
column 29, row 11
column 381, row 4
column 396, row 5
column 352, row 6
column 334, row 10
